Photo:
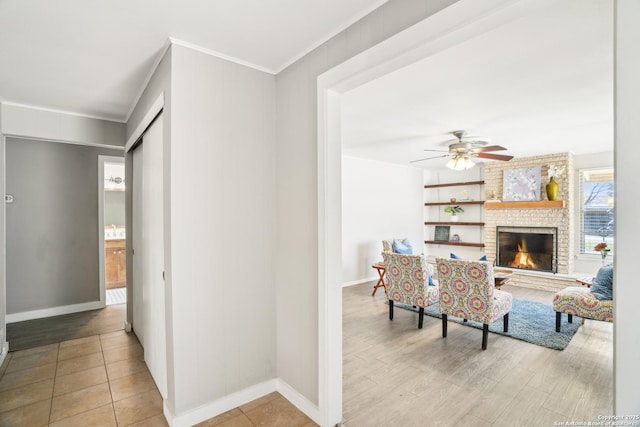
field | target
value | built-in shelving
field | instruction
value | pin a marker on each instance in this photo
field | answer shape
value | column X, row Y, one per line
column 457, row 202
column 541, row 204
column 438, row 242
column 455, row 223
column 454, row 184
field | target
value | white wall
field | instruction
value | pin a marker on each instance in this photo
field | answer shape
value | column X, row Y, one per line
column 627, row 153
column 297, row 190
column 379, row 201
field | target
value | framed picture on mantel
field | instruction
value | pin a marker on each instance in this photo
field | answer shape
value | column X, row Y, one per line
column 520, row 185
column 442, row 233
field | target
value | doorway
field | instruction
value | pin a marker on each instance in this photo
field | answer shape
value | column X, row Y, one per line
column 409, row 46
column 113, row 229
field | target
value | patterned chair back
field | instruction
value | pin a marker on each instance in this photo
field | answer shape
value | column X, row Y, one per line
column 466, row 289
column 408, row 279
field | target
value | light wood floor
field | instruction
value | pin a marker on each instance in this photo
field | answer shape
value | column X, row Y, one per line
column 395, row 374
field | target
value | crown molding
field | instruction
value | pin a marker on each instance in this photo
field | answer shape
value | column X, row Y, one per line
column 210, row 52
column 58, row 111
column 329, row 36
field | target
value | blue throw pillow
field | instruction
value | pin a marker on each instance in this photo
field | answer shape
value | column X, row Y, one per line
column 403, row 247
column 602, row 287
column 454, row 256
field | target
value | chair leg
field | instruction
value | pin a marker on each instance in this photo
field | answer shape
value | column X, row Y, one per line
column 390, row 309
column 420, row 317
column 485, row 335
column 558, row 320
column 570, row 318
column 444, row 325
column 505, row 322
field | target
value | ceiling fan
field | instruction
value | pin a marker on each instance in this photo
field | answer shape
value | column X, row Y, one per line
column 463, row 148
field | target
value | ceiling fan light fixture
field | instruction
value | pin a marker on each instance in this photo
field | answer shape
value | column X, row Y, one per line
column 460, row 163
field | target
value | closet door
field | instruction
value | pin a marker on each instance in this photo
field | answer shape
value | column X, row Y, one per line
column 148, row 255
column 136, row 243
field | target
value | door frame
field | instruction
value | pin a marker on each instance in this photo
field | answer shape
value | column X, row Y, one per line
column 101, row 259
column 455, row 24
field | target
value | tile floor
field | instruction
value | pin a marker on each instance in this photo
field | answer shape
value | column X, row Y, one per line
column 102, row 380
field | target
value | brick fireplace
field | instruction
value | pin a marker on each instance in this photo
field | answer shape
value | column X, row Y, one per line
column 561, row 218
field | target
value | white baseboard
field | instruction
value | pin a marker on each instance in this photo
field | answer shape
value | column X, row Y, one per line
column 219, row 406
column 53, row 311
column 239, row 398
column 299, row 401
column 4, row 350
column 360, row 281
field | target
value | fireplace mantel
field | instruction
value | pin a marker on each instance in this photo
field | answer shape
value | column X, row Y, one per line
column 542, row 204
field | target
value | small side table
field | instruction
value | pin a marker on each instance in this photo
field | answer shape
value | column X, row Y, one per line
column 379, row 266
column 585, row 281
column 501, row 277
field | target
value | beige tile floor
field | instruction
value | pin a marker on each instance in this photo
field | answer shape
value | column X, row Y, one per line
column 102, row 380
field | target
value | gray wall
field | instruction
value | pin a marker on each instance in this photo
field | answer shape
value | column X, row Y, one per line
column 113, row 208
column 297, row 194
column 52, row 225
column 219, row 187
column 53, row 126
column 3, row 311
column 222, row 227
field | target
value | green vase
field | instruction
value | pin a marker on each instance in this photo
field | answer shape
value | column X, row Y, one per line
column 552, row 189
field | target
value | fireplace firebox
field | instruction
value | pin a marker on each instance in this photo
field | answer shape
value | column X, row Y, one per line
column 527, row 248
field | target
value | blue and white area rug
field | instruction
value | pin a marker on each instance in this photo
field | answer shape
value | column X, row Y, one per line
column 529, row 321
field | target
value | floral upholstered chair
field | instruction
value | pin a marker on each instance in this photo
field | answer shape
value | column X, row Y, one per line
column 594, row 303
column 467, row 290
column 408, row 282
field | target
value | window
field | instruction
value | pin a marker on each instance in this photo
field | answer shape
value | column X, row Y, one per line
column 596, row 209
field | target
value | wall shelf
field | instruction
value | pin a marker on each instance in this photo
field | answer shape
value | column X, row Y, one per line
column 453, row 223
column 438, row 242
column 454, row 184
column 541, row 204
column 457, row 202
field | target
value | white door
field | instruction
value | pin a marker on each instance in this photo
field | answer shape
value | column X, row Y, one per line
column 136, row 242
column 148, row 258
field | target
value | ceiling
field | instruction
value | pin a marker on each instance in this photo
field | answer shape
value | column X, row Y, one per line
column 541, row 84
column 94, row 57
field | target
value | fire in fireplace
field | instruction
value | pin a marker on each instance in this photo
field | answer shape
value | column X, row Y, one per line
column 528, row 248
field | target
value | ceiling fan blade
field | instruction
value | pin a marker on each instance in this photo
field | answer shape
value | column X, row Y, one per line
column 489, row 148
column 493, row 156
column 429, row 158
column 437, row 151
